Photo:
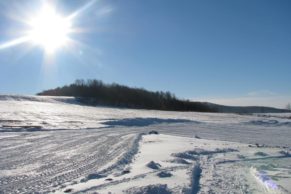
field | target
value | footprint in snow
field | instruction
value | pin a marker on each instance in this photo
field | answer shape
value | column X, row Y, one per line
column 153, row 165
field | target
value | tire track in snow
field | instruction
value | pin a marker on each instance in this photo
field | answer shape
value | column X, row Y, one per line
column 93, row 151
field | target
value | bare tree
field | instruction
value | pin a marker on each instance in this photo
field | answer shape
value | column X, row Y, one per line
column 288, row 106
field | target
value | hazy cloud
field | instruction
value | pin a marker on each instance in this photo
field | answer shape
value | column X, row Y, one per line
column 262, row 93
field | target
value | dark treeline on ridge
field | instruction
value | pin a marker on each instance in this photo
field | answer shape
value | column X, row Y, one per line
column 95, row 92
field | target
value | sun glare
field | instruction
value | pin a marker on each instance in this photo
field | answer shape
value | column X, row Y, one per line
column 49, row 30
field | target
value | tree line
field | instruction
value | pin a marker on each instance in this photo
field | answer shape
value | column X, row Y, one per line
column 95, row 92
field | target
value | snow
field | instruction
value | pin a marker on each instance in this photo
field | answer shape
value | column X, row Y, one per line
column 50, row 144
column 211, row 170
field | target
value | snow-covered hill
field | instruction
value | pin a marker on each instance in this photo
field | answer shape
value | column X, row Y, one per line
column 50, row 144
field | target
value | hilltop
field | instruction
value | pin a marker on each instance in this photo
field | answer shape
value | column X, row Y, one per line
column 95, row 92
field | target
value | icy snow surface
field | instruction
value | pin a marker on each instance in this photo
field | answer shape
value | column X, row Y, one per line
column 50, row 144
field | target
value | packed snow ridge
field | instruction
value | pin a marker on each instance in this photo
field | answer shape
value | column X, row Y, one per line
column 54, row 145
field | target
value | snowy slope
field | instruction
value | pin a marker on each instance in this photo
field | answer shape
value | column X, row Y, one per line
column 52, row 144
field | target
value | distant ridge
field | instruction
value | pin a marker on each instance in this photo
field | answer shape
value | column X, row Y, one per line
column 245, row 109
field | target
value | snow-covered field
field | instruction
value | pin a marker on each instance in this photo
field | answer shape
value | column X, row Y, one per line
column 54, row 145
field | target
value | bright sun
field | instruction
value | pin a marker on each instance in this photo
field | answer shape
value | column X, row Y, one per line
column 49, row 30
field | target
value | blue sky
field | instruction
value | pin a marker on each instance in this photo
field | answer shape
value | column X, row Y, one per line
column 230, row 52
